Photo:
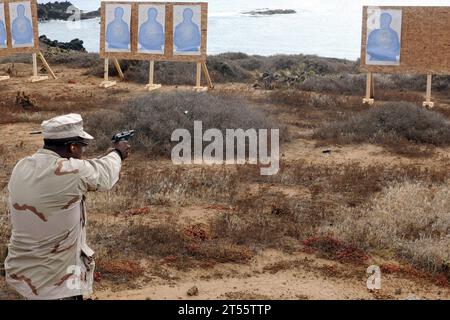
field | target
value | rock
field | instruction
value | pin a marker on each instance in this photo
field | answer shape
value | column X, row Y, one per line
column 192, row 291
column 59, row 11
column 75, row 44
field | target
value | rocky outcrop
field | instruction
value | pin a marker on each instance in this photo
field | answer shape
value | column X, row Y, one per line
column 59, row 11
column 75, row 44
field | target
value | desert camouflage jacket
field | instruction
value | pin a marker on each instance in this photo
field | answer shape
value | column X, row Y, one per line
column 48, row 256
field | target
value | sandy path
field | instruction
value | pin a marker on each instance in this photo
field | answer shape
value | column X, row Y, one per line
column 273, row 275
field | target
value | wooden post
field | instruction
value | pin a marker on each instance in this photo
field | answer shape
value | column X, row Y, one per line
column 106, row 83
column 207, row 76
column 106, row 70
column 35, row 77
column 369, row 89
column 372, row 87
column 428, row 102
column 46, row 65
column 198, row 85
column 119, row 69
column 199, row 75
column 35, row 71
column 151, row 75
column 151, row 72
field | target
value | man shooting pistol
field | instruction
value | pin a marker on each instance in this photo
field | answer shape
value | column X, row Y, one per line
column 48, row 255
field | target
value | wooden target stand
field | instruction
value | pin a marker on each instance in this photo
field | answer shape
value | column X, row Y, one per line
column 168, row 54
column 36, row 77
column 428, row 103
column 106, row 83
column 151, row 86
column 33, row 49
column 370, row 91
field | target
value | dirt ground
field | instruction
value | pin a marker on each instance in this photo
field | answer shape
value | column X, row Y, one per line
column 271, row 273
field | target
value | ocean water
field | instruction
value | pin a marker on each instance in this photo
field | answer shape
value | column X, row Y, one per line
column 329, row 28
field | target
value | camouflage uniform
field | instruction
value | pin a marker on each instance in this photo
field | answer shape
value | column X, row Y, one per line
column 48, row 256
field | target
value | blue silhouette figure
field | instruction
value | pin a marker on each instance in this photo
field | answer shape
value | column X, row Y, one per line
column 187, row 36
column 22, row 30
column 384, row 44
column 151, row 32
column 2, row 34
column 118, row 32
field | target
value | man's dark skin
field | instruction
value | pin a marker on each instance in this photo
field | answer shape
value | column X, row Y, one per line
column 74, row 148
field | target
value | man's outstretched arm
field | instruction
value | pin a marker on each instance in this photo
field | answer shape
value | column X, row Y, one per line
column 103, row 173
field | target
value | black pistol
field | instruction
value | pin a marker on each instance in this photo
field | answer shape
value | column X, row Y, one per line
column 123, row 136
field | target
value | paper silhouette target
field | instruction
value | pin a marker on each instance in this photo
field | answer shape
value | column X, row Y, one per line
column 152, row 20
column 384, row 30
column 187, row 35
column 3, row 37
column 117, row 34
column 22, row 33
column 155, row 31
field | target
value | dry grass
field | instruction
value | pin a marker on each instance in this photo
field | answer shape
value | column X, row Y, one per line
column 227, row 67
column 300, row 99
column 118, row 271
column 35, row 107
column 156, row 116
column 402, row 210
column 396, row 209
column 173, row 73
column 342, row 211
column 310, row 110
column 353, row 182
column 336, row 250
column 130, row 236
column 5, row 231
column 396, row 125
column 170, row 242
column 74, row 59
column 353, row 83
column 344, row 84
column 409, row 219
column 411, row 82
column 19, row 58
column 168, row 186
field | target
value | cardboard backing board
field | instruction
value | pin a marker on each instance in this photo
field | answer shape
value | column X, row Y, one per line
column 168, row 48
column 425, row 41
column 10, row 50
